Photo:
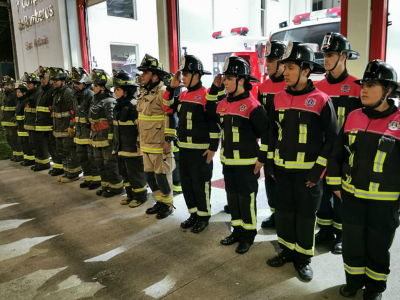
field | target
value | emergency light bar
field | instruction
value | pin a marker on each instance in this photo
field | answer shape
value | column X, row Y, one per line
column 334, row 12
column 234, row 31
column 217, row 35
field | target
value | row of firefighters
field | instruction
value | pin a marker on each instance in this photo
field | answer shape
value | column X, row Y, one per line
column 330, row 151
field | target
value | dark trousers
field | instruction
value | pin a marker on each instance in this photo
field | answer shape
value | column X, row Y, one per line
column 295, row 218
column 176, row 177
column 67, row 150
column 270, row 186
column 26, row 147
column 88, row 165
column 196, row 176
column 107, row 166
column 11, row 134
column 329, row 215
column 45, row 145
column 368, row 232
column 241, row 187
column 132, row 171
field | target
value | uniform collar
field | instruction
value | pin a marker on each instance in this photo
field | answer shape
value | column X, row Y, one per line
column 277, row 79
column 374, row 114
column 242, row 96
column 196, row 87
column 341, row 78
column 308, row 89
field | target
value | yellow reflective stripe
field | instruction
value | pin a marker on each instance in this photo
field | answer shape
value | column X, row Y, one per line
column 379, row 160
column 60, row 134
column 127, row 123
column 170, row 131
column 110, row 136
column 81, row 141
column 42, row 161
column 324, row 222
column 96, row 178
column 272, row 209
column 298, row 165
column 128, row 154
column 17, row 153
column 3, row 123
column 375, row 275
column 193, row 210
column 87, row 178
column 302, row 133
column 374, row 195
column 20, row 118
column 279, row 131
column 207, row 192
column 167, row 199
column 333, row 180
column 354, row 270
column 57, row 166
column 151, row 150
column 270, row 155
column 127, row 184
column 238, row 161
column 352, row 137
column 44, row 128
column 337, row 225
column 82, row 120
column 115, row 122
column 95, row 121
column 60, row 115
column 99, row 143
column 43, row 109
column 30, row 110
column 322, row 161
column 287, row 244
column 221, row 93
column 140, row 189
column 341, row 116
column 236, row 222
column 8, row 108
column 264, row 148
column 212, row 97
column 277, row 160
column 192, row 145
column 214, row 135
column 151, row 117
column 73, row 170
column 29, row 157
column 168, row 102
column 374, row 187
column 177, row 188
column 235, row 135
column 304, row 251
column 23, row 133
column 116, row 185
column 30, row 127
column 105, row 184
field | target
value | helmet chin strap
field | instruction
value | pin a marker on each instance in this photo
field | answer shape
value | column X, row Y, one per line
column 237, row 85
column 277, row 68
column 385, row 94
column 298, row 79
column 191, row 79
column 337, row 62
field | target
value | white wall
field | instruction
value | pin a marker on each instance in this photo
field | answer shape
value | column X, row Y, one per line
column 393, row 41
column 105, row 30
column 54, row 54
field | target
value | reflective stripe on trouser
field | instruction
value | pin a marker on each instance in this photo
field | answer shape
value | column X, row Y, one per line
column 86, row 160
column 176, row 178
column 241, row 189
column 11, row 134
column 330, row 210
column 67, row 150
column 368, row 232
column 45, row 146
column 107, row 166
column 161, row 186
column 295, row 215
column 27, row 148
column 132, row 171
column 270, row 187
column 196, row 176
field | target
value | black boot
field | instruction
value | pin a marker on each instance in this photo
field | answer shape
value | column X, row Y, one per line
column 12, row 158
column 200, row 225
column 113, row 192
column 242, row 248
column 84, row 184
column 337, row 244
column 323, row 235
column 347, row 291
column 138, row 200
column 37, row 168
column 56, row 172
column 372, row 296
column 164, row 211
column 19, row 159
column 27, row 163
column 94, row 185
column 226, row 209
column 153, row 210
column 269, row 222
column 100, row 192
column 304, row 271
column 279, row 261
column 189, row 222
column 229, row 240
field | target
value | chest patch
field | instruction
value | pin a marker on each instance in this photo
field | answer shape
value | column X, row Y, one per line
column 243, row 107
column 345, row 88
column 310, row 102
column 197, row 98
column 394, row 125
column 223, row 109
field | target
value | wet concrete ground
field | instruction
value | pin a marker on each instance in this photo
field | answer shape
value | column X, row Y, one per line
column 60, row 242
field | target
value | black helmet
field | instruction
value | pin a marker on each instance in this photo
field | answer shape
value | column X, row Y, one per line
column 301, row 53
column 79, row 75
column 239, row 67
column 334, row 41
column 101, row 78
column 380, row 71
column 123, row 79
column 44, row 72
column 275, row 49
column 32, row 78
column 7, row 80
column 149, row 63
column 58, row 73
column 20, row 85
column 192, row 64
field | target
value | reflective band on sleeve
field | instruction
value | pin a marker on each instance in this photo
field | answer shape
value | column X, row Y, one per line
column 170, row 131
column 110, row 136
column 214, row 135
column 168, row 102
column 321, row 161
column 341, row 116
column 43, row 109
column 354, row 270
column 151, row 118
column 333, row 180
column 379, row 160
column 324, row 222
column 221, row 93
column 235, row 134
column 375, row 275
column 211, row 97
column 302, row 133
column 270, row 155
column 264, row 147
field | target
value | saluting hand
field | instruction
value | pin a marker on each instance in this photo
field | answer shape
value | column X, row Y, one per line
column 176, row 81
column 218, row 80
column 258, row 167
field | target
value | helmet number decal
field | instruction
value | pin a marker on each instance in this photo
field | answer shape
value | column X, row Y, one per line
column 288, row 50
column 183, row 62
column 268, row 47
column 226, row 65
column 327, row 41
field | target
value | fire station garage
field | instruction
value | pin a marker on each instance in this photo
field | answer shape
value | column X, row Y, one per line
column 77, row 220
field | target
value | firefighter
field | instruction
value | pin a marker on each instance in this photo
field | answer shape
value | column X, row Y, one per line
column 275, row 83
column 176, row 177
column 33, row 94
column 29, row 157
column 303, row 129
column 345, row 95
column 243, row 120
column 198, row 138
column 365, row 164
column 101, row 120
column 82, row 100
column 43, row 137
column 8, row 114
column 156, row 132
column 63, row 125
column 130, row 163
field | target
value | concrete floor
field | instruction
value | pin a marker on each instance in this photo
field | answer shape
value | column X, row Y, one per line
column 60, row 242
